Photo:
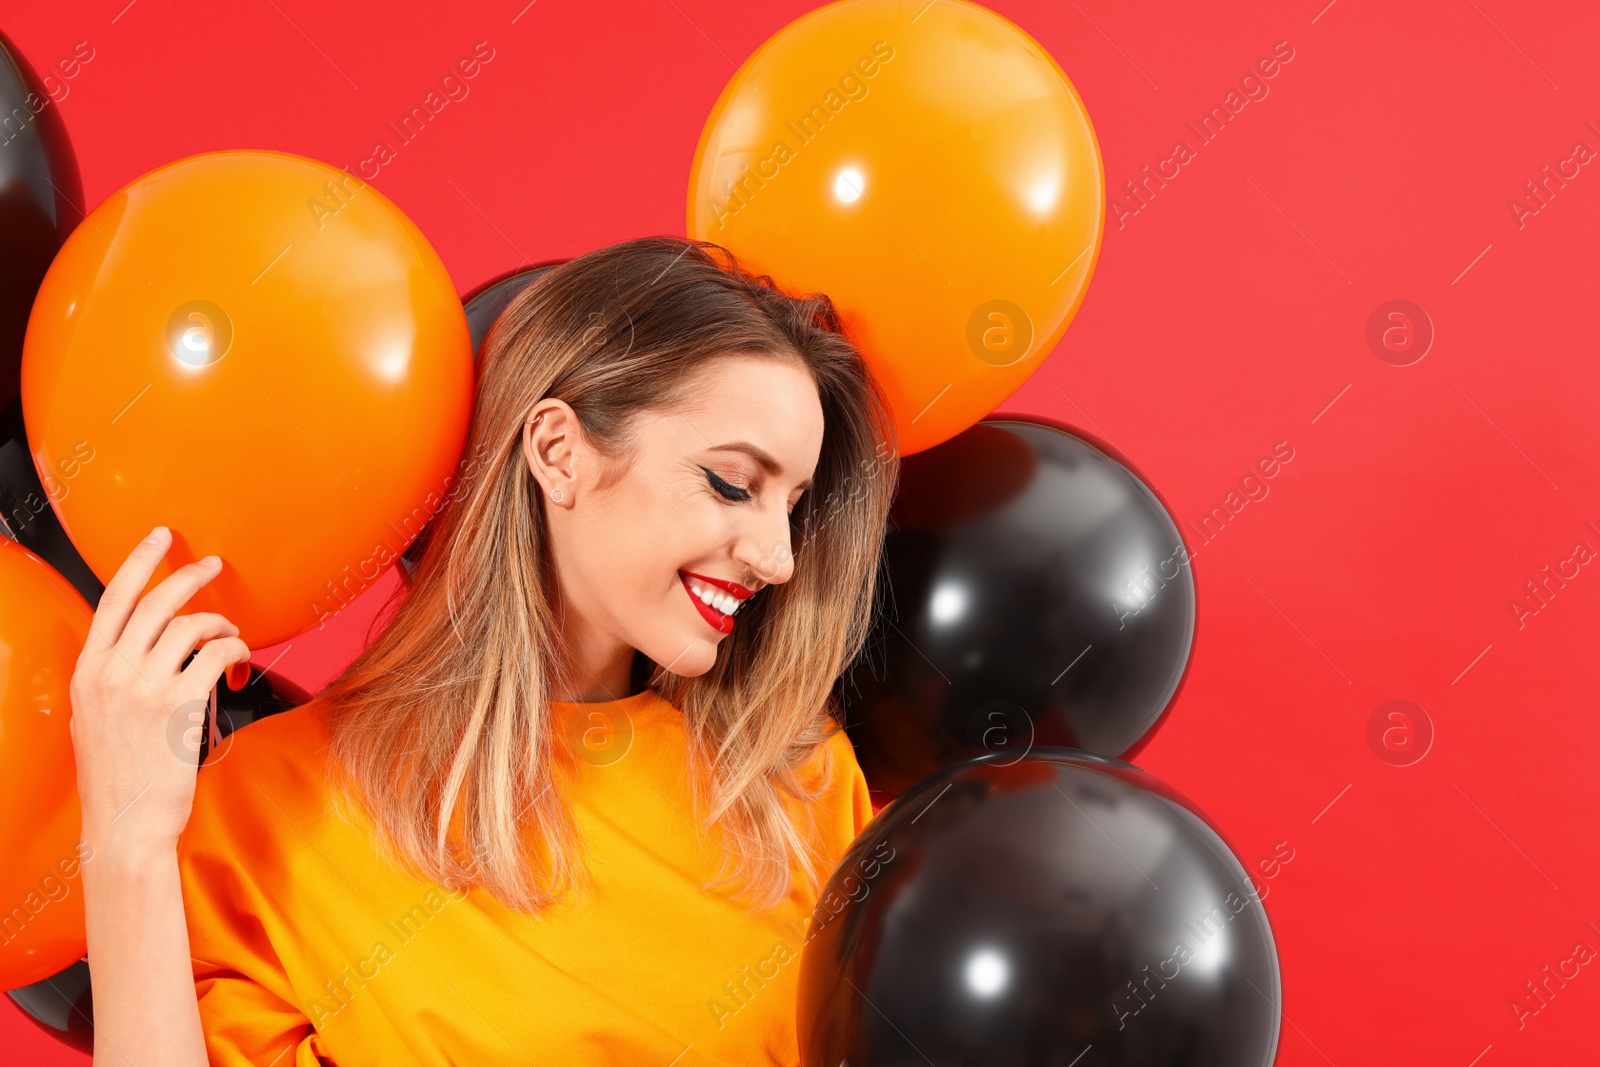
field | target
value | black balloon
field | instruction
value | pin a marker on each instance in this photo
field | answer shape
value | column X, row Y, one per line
column 483, row 308
column 1037, row 592
column 41, row 199
column 61, row 1005
column 264, row 694
column 25, row 512
column 1050, row 909
column 40, row 204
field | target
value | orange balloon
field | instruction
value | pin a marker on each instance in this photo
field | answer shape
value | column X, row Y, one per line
column 934, row 172
column 44, row 623
column 264, row 354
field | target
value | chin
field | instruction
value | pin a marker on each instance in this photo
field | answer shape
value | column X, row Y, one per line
column 698, row 661
column 689, row 659
column 683, row 672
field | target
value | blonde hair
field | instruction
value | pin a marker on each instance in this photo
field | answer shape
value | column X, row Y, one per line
column 445, row 715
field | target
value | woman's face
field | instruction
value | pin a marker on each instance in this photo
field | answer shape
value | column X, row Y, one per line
column 703, row 512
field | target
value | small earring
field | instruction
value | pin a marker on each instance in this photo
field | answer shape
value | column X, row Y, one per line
column 557, row 495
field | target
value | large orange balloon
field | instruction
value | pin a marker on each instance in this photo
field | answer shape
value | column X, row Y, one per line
column 44, row 623
column 264, row 354
column 934, row 172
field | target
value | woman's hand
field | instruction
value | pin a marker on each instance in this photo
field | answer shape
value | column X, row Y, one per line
column 136, row 717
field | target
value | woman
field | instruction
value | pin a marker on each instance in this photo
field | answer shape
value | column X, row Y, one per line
column 575, row 802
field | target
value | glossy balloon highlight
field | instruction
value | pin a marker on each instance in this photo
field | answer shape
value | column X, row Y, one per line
column 244, row 329
column 1038, row 593
column 933, row 170
column 1056, row 909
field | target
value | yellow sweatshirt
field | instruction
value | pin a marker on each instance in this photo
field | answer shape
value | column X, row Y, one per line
column 309, row 948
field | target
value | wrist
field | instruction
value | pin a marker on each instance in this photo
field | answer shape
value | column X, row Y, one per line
column 124, row 853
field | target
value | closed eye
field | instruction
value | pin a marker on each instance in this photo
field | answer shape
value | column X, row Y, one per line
column 726, row 490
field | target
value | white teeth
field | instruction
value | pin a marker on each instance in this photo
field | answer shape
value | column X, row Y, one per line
column 716, row 598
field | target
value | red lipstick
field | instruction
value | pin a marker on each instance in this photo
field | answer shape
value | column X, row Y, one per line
column 717, row 620
column 735, row 588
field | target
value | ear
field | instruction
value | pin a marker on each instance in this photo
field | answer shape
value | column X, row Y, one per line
column 551, row 443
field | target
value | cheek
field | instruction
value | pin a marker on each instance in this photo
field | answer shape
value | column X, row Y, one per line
column 645, row 537
column 652, row 528
column 678, row 526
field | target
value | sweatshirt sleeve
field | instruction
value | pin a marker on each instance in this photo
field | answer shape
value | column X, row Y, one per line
column 846, row 806
column 247, row 1005
column 860, row 798
column 246, row 1024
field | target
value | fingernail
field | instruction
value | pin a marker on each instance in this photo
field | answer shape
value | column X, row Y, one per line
column 211, row 561
column 238, row 675
column 156, row 535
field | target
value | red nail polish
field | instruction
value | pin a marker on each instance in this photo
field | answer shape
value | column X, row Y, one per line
column 238, row 675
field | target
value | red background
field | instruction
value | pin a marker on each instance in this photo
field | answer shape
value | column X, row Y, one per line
column 1227, row 315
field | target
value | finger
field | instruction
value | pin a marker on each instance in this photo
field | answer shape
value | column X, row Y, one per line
column 182, row 636
column 208, row 664
column 121, row 594
column 150, row 618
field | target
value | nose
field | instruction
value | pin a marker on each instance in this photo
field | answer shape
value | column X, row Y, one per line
column 762, row 546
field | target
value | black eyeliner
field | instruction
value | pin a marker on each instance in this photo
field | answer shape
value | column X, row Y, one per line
column 724, row 489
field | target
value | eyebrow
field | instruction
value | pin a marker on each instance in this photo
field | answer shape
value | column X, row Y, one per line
column 760, row 455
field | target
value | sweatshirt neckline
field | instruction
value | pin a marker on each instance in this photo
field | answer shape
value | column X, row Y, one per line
column 634, row 703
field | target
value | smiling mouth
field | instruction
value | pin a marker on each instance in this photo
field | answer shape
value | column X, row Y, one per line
column 716, row 605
